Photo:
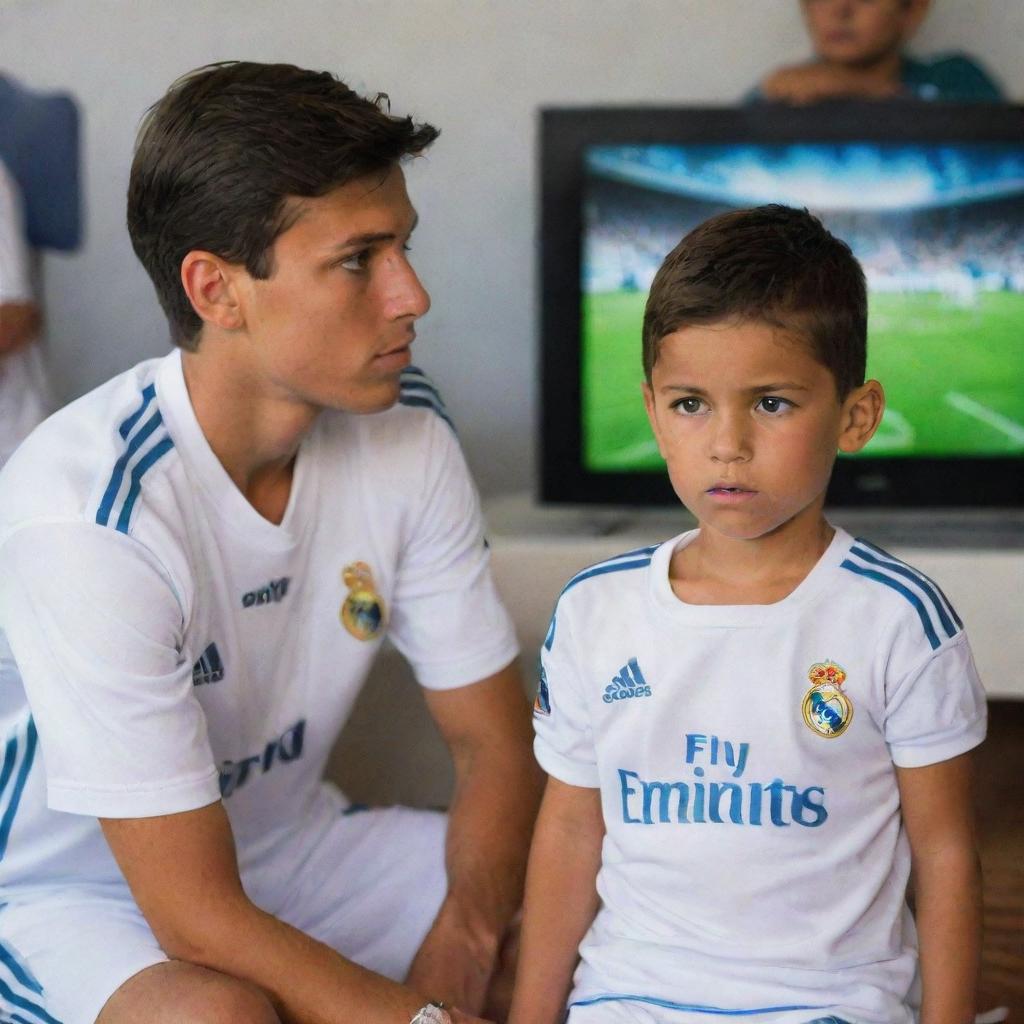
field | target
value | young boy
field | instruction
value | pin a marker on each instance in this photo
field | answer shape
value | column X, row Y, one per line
column 755, row 730
column 858, row 46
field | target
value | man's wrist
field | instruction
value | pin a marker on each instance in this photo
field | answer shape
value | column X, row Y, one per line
column 432, row 1013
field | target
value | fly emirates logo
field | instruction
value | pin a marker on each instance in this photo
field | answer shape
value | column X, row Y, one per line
column 717, row 793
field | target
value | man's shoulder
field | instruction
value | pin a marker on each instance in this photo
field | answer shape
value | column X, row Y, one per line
column 403, row 435
column 66, row 466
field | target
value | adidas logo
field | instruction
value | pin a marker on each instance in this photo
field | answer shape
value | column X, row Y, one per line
column 629, row 682
column 209, row 668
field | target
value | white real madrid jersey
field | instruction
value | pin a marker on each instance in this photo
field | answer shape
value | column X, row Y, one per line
column 754, row 862
column 164, row 646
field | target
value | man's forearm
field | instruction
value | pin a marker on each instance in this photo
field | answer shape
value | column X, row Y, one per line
column 490, row 824
column 307, row 981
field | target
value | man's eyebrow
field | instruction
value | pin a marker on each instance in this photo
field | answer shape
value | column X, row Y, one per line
column 355, row 241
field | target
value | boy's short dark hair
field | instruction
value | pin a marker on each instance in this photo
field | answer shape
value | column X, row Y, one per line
column 218, row 156
column 770, row 263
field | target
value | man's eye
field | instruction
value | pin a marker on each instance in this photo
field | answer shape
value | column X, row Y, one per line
column 357, row 261
column 772, row 404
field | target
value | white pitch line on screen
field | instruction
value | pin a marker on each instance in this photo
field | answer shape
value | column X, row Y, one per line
column 962, row 403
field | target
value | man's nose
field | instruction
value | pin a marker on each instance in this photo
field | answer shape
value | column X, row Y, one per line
column 407, row 297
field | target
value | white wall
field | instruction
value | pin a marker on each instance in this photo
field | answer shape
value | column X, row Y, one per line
column 478, row 70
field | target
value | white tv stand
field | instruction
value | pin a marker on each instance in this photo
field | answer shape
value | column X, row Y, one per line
column 977, row 557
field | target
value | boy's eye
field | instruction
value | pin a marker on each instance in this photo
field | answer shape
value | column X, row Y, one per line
column 773, row 404
column 688, row 405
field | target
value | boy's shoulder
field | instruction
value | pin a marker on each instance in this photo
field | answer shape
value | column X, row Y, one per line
column 885, row 595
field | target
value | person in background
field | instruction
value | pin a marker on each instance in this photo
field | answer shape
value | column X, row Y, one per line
column 859, row 53
column 199, row 561
column 24, row 395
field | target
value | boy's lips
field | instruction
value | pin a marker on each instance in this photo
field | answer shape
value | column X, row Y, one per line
column 730, row 493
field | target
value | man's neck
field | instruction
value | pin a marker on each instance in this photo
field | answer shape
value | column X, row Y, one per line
column 255, row 435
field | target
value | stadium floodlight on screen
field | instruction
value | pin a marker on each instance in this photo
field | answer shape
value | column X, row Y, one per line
column 929, row 197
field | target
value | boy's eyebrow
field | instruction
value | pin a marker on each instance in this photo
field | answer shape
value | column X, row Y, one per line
column 353, row 241
column 759, row 389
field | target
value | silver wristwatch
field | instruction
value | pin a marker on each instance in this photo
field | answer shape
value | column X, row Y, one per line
column 432, row 1013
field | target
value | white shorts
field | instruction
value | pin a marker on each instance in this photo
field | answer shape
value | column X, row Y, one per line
column 369, row 885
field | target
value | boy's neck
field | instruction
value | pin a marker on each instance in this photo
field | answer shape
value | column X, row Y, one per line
column 718, row 569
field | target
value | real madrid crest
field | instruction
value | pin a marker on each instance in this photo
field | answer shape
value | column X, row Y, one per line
column 363, row 612
column 827, row 710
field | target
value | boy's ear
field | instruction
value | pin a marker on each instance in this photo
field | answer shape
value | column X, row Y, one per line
column 211, row 286
column 652, row 417
column 861, row 413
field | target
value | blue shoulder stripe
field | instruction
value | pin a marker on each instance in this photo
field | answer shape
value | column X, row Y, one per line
column 27, row 1005
column 19, row 970
column 610, row 565
column 418, row 390
column 116, row 478
column 148, row 393
column 942, row 602
column 426, row 403
column 153, row 455
column 19, row 785
column 889, row 581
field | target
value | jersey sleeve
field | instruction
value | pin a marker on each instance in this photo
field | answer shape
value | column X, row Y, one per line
column 936, row 710
column 14, row 263
column 564, row 741
column 95, row 626
column 447, row 618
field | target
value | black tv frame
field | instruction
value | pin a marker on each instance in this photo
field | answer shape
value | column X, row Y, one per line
column 565, row 134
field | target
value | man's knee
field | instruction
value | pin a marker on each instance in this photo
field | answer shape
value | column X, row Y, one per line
column 179, row 993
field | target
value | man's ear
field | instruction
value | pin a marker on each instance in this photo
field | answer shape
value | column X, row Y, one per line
column 861, row 413
column 210, row 285
column 652, row 416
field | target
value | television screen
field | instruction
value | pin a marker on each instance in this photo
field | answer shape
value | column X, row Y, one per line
column 930, row 199
column 938, row 228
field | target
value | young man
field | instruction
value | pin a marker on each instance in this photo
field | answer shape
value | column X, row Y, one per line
column 755, row 729
column 198, row 562
column 859, row 54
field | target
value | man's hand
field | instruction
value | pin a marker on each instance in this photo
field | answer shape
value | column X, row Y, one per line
column 20, row 323
column 810, row 83
column 497, row 787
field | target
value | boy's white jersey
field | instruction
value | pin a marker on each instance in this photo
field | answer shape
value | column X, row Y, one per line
column 175, row 647
column 754, row 862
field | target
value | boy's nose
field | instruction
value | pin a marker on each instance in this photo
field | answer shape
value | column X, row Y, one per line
column 729, row 441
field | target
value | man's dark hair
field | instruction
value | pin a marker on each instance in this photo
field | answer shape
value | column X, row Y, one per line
column 220, row 154
column 770, row 263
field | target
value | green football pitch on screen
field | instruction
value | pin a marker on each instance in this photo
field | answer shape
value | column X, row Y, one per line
column 952, row 370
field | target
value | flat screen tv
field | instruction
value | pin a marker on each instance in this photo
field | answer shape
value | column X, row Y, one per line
column 929, row 197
